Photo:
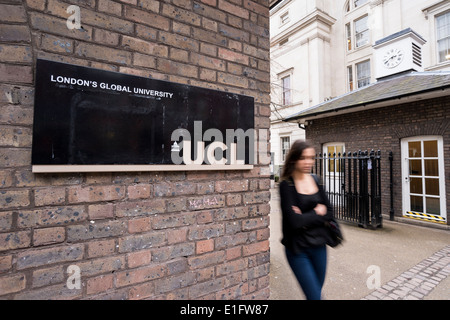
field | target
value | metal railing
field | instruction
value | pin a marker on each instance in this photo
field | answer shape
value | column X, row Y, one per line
column 353, row 184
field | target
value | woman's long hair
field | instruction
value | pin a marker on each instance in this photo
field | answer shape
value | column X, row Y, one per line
column 293, row 155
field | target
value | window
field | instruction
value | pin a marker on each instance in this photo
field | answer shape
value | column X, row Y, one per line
column 361, row 32
column 358, row 3
column 286, row 84
column 443, row 36
column 348, row 32
column 285, row 146
column 350, row 78
column 363, row 73
column 353, row 4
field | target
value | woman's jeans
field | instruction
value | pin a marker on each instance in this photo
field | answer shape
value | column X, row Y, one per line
column 309, row 266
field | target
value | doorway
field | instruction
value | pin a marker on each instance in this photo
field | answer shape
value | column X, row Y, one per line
column 423, row 178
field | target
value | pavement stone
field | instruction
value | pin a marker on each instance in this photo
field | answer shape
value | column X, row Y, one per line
column 419, row 281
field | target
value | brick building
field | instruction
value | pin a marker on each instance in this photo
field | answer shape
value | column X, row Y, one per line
column 133, row 235
column 408, row 114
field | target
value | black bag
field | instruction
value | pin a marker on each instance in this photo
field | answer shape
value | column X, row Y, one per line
column 335, row 236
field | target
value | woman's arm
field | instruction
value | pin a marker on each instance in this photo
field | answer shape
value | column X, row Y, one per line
column 296, row 220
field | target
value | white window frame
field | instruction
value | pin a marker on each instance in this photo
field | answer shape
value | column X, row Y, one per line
column 445, row 38
column 282, row 149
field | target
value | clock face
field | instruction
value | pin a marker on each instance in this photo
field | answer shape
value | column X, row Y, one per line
column 392, row 58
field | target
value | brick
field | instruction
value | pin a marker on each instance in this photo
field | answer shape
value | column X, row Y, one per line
column 99, row 284
column 205, row 202
column 173, row 220
column 139, row 225
column 206, row 231
column 139, row 258
column 100, row 53
column 177, row 68
column 15, row 136
column 231, row 186
column 134, row 209
column 47, row 23
column 15, row 53
column 207, row 259
column 208, row 62
column 100, row 248
column 16, row 74
column 255, row 248
column 42, row 257
column 233, row 9
column 51, row 216
column 232, row 80
column 173, row 251
column 14, row 33
column 48, row 236
column 98, row 266
column 12, row 13
column 140, row 191
column 6, row 220
column 233, row 56
column 5, row 263
column 49, row 196
column 106, row 37
column 12, row 283
column 101, row 211
column 48, row 276
column 96, row 230
column 55, row 292
column 95, row 193
column 147, row 18
column 204, row 288
column 182, row 15
column 14, row 198
column 148, row 273
column 141, row 291
column 141, row 241
column 204, row 246
column 14, row 240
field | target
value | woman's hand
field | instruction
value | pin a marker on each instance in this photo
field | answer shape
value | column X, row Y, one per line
column 321, row 209
column 296, row 210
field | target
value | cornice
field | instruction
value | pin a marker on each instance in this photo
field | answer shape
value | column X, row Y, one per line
column 315, row 16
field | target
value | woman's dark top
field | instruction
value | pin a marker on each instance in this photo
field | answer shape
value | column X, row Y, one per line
column 307, row 229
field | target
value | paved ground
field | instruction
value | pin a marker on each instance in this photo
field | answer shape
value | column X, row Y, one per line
column 413, row 263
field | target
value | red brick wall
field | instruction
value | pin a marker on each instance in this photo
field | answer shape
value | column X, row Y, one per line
column 164, row 235
column 382, row 129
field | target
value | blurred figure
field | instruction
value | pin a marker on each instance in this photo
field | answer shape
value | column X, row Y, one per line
column 306, row 212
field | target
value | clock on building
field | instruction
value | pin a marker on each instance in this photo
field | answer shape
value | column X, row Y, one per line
column 392, row 58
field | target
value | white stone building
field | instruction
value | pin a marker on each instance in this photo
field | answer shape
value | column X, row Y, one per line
column 321, row 49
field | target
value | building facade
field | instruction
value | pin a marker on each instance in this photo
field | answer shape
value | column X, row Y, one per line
column 132, row 235
column 323, row 49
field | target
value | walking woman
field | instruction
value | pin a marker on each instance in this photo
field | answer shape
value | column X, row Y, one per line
column 306, row 213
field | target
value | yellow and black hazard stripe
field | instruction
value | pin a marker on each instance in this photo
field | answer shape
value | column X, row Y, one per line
column 425, row 217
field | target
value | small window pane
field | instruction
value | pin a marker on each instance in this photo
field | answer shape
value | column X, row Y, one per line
column 414, row 149
column 415, row 167
column 433, row 206
column 432, row 186
column 430, row 148
column 432, row 168
column 415, row 185
column 416, row 204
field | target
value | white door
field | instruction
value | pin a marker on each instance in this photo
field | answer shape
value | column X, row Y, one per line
column 423, row 175
column 333, row 170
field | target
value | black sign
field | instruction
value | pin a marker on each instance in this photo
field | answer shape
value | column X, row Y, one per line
column 86, row 116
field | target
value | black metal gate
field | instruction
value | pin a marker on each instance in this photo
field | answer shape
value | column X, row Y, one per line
column 353, row 184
